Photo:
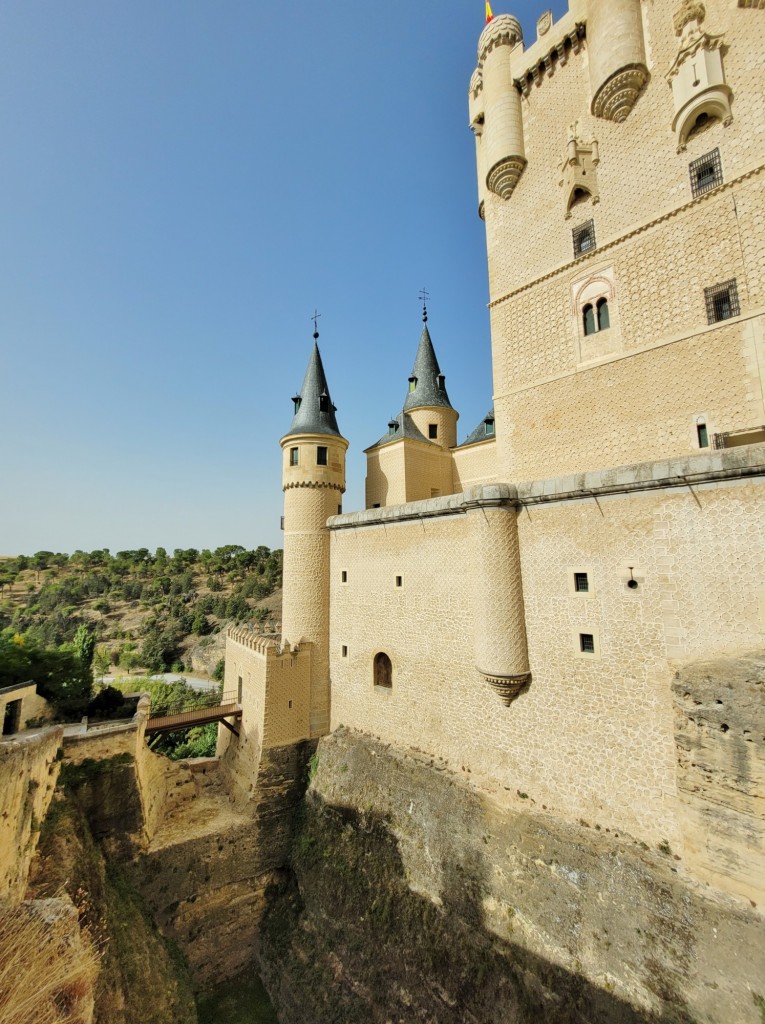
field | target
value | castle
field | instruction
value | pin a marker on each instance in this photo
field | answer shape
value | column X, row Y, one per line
column 566, row 604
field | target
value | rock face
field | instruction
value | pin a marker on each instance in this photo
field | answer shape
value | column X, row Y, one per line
column 416, row 898
column 720, row 741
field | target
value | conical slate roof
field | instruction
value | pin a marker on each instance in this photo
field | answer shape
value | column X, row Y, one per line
column 480, row 433
column 429, row 382
column 314, row 411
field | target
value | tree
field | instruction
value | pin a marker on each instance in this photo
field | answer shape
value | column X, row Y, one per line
column 102, row 661
column 83, row 644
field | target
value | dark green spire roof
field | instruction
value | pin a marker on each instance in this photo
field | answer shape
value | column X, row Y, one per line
column 427, row 385
column 314, row 411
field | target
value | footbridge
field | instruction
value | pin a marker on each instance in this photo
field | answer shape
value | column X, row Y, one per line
column 212, row 707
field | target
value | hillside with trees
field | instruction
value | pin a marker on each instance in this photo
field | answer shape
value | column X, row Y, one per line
column 131, row 611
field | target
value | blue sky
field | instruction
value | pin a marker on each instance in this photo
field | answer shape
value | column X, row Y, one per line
column 182, row 183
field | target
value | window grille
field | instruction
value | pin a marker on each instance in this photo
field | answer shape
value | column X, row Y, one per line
column 584, row 238
column 587, row 643
column 722, row 301
column 581, row 582
column 706, row 172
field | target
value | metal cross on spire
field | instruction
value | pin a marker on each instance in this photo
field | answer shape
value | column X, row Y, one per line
column 315, row 316
column 424, row 296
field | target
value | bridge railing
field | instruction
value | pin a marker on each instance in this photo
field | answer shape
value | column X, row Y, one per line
column 183, row 704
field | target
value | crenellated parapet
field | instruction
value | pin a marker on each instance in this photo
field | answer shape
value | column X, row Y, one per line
column 556, row 57
column 268, row 646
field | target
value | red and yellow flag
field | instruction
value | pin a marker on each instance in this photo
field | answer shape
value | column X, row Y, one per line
column 489, row 12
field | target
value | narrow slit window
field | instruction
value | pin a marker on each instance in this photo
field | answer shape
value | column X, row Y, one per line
column 321, row 455
column 702, row 434
column 588, row 315
column 587, row 643
column 294, row 455
column 604, row 320
column 399, row 581
column 345, row 650
column 581, row 583
column 344, row 576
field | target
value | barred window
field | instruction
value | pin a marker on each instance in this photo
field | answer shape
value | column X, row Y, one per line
column 584, row 237
column 706, row 172
column 722, row 301
column 587, row 643
column 581, row 582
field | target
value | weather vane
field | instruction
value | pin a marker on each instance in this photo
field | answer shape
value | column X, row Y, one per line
column 424, row 296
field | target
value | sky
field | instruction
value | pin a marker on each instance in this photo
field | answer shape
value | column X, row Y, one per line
column 182, row 184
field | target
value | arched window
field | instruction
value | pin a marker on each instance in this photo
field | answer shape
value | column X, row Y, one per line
column 603, row 318
column 383, row 670
column 588, row 314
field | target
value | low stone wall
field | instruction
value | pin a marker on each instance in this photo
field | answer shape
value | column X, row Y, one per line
column 29, row 767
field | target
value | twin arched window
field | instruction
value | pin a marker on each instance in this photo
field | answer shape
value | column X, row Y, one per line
column 595, row 317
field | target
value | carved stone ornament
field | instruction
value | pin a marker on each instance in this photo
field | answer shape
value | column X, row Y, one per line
column 508, row 687
column 544, row 24
column 578, row 170
column 617, row 96
column 503, row 177
column 697, row 77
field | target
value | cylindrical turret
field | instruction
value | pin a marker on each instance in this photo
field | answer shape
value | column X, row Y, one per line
column 503, row 151
column 427, row 401
column 475, row 102
column 617, row 56
column 501, row 653
column 313, row 480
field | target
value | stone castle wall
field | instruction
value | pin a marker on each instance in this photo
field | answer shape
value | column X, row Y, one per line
column 565, row 402
column 474, row 465
column 595, row 734
column 29, row 768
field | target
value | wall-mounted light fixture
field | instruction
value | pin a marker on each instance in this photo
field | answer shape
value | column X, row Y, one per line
column 632, row 583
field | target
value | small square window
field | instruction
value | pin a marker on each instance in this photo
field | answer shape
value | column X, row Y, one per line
column 345, row 650
column 584, row 238
column 432, row 431
column 321, row 455
column 587, row 643
column 706, row 172
column 376, row 504
column 722, row 301
column 581, row 582
column 399, row 581
column 294, row 455
column 344, row 576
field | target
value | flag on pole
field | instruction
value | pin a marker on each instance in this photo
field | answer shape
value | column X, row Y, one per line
column 489, row 12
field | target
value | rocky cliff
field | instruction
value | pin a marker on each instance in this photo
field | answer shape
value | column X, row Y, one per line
column 414, row 897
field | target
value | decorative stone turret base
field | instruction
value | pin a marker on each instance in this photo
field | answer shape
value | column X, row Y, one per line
column 503, row 177
column 508, row 687
column 616, row 97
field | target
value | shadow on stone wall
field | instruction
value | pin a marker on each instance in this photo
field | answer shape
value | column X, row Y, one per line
column 345, row 939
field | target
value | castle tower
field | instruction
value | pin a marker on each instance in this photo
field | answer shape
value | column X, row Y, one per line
column 413, row 460
column 427, row 402
column 618, row 69
column 313, row 480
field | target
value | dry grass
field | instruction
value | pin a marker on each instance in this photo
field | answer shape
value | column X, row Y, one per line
column 47, row 970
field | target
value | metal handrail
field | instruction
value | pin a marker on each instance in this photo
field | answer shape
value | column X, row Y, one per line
column 205, row 700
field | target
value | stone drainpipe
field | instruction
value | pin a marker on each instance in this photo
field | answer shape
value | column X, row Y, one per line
column 501, row 651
